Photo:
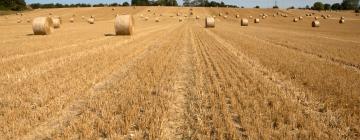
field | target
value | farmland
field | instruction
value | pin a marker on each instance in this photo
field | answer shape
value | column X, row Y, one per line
column 277, row 79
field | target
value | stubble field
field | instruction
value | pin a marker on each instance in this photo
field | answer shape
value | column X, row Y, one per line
column 179, row 80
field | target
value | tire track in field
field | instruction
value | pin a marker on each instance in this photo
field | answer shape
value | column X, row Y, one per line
column 175, row 123
column 47, row 66
column 297, row 95
column 75, row 108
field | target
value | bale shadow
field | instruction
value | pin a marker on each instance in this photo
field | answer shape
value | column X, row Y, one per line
column 109, row 34
column 32, row 34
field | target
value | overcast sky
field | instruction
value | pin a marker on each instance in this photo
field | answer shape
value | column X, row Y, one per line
column 245, row 3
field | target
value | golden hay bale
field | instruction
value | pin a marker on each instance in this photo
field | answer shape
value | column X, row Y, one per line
column 274, row 15
column 220, row 14
column 146, row 18
column 157, row 19
column 263, row 17
column 316, row 18
column 191, row 13
column 244, row 22
column 295, row 19
column 82, row 17
column 17, row 13
column 19, row 21
column 341, row 21
column 225, row 16
column 42, row 25
column 28, row 20
column 342, row 18
column 56, row 22
column 185, row 15
column 300, row 18
column 180, row 19
column 113, row 9
column 124, row 25
column 328, row 16
column 256, row 20
column 209, row 22
column 50, row 14
column 250, row 17
column 197, row 17
column 91, row 20
column 148, row 10
column 316, row 23
column 178, row 14
column 237, row 16
column 72, row 20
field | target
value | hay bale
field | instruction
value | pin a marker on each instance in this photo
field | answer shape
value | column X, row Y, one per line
column 197, row 17
column 157, row 19
column 124, row 25
column 295, row 19
column 244, row 22
column 256, row 20
column 341, row 21
column 72, row 20
column 237, row 16
column 178, row 14
column 191, row 13
column 250, row 17
column 42, row 26
column 82, row 17
column 28, row 20
column 113, row 9
column 209, row 22
column 19, row 21
column 50, row 14
column 220, row 14
column 148, row 10
column 263, row 17
column 146, row 18
column 342, row 18
column 300, row 18
column 180, row 19
column 316, row 18
column 225, row 16
column 316, row 23
column 91, row 20
column 56, row 22
column 185, row 15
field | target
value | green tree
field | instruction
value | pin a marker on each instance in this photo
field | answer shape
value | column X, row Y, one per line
column 318, row 6
column 349, row 4
column 327, row 6
column 125, row 4
column 336, row 6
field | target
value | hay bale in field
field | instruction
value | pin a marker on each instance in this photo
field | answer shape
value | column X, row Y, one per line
column 17, row 13
column 342, row 18
column 237, row 16
column 225, row 16
column 19, row 21
column 50, row 14
column 274, row 15
column 197, row 17
column 256, row 20
column 263, row 17
column 157, row 19
column 191, row 13
column 113, row 9
column 91, row 20
column 82, row 17
column 180, row 19
column 341, row 21
column 295, row 19
column 56, row 22
column 178, row 14
column 209, row 22
column 244, row 22
column 328, row 16
column 72, row 20
column 220, row 14
column 316, row 18
column 185, row 15
column 148, row 10
column 146, row 18
column 316, row 23
column 250, row 17
column 28, row 20
column 42, row 25
column 300, row 18
column 124, row 25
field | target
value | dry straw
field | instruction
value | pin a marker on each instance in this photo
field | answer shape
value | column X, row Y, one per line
column 250, row 17
column 157, row 19
column 197, row 17
column 256, row 20
column 341, row 21
column 91, row 20
column 124, row 25
column 56, row 22
column 295, row 19
column 209, row 22
column 180, row 19
column 244, row 22
column 72, row 20
column 237, row 16
column 316, row 23
column 42, row 25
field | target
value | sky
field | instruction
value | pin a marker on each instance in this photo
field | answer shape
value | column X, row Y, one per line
column 245, row 3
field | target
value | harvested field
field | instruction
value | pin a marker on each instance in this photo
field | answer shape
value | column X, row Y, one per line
column 276, row 79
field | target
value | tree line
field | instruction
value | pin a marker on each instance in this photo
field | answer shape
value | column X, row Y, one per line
column 345, row 5
column 15, row 5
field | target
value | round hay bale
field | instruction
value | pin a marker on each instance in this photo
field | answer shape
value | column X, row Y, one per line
column 237, row 16
column 17, row 13
column 157, row 19
column 295, row 19
column 256, row 20
column 146, row 18
column 72, row 20
column 220, row 14
column 28, row 20
column 113, row 9
column 197, row 17
column 263, row 17
column 124, row 25
column 191, row 13
column 82, row 17
column 178, row 14
column 225, row 16
column 91, row 20
column 50, row 14
column 148, row 10
column 42, row 26
column 316, row 18
column 342, row 18
column 328, row 16
column 180, row 19
column 274, row 15
column 185, row 15
column 19, row 21
column 244, row 22
column 250, row 17
column 341, row 21
column 316, row 23
column 56, row 22
column 300, row 18
column 209, row 22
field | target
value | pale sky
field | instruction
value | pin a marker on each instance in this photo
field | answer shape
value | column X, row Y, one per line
column 245, row 3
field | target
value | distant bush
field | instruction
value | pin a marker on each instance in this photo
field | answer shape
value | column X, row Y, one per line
column 257, row 6
column 275, row 7
column 357, row 10
column 292, row 7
